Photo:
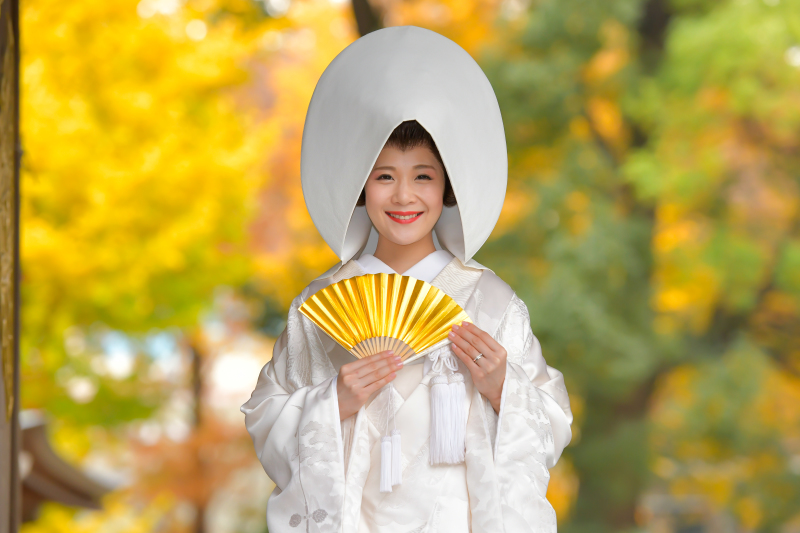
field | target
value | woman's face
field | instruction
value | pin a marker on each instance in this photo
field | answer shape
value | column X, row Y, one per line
column 404, row 193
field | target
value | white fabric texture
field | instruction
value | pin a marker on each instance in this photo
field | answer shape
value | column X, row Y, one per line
column 426, row 269
column 327, row 472
column 379, row 81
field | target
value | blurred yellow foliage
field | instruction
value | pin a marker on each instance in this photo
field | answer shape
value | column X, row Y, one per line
column 517, row 204
column 579, row 127
column 470, row 23
column 117, row 516
column 703, row 462
column 607, row 121
column 138, row 167
column 563, row 488
column 143, row 160
column 749, row 511
column 612, row 57
column 693, row 297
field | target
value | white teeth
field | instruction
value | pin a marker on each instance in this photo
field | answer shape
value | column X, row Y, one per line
column 403, row 217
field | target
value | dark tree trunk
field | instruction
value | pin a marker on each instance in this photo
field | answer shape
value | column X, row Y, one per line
column 367, row 17
column 653, row 24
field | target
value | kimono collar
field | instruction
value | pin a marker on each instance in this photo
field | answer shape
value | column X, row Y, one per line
column 385, row 78
column 426, row 269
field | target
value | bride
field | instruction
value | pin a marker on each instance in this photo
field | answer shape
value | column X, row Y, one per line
column 404, row 171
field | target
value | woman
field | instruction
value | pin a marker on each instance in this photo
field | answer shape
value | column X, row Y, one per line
column 404, row 170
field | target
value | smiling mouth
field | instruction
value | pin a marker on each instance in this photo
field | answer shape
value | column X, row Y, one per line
column 404, row 217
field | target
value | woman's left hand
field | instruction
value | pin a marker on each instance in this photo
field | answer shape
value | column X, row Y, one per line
column 488, row 372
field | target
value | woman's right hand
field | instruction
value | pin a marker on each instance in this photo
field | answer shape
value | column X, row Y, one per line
column 359, row 379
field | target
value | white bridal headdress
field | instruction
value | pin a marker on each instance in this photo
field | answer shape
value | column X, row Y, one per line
column 379, row 81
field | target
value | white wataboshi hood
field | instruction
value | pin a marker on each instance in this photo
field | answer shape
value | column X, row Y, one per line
column 385, row 78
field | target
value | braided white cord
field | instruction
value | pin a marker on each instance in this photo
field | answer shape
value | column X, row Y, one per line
column 441, row 358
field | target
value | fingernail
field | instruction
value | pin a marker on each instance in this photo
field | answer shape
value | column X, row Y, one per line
column 451, row 335
column 455, row 326
column 391, row 352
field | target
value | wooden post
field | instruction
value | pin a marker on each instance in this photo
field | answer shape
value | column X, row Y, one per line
column 197, row 393
column 10, row 491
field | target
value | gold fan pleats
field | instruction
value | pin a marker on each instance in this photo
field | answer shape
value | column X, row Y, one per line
column 377, row 312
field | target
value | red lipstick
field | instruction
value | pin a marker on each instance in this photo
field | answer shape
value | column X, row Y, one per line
column 407, row 216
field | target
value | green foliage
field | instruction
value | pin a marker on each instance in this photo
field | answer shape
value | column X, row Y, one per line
column 664, row 220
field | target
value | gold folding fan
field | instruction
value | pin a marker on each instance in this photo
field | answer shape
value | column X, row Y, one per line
column 377, row 312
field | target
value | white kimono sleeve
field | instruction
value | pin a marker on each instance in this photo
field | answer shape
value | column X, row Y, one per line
column 295, row 428
column 533, row 425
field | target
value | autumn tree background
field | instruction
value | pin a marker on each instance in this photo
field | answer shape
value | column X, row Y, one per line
column 652, row 226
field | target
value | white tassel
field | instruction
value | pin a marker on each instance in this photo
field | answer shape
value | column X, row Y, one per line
column 448, row 419
column 397, row 472
column 458, row 395
column 386, row 464
column 440, row 420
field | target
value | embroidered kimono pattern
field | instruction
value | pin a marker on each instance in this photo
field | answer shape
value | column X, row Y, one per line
column 325, row 469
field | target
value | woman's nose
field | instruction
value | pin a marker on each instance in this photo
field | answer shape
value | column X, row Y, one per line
column 403, row 193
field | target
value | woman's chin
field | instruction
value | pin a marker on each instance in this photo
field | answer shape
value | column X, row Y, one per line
column 404, row 238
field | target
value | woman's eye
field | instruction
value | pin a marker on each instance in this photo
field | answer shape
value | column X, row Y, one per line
column 387, row 176
column 424, row 176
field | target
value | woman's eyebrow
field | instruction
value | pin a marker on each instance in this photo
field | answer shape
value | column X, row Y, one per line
column 421, row 165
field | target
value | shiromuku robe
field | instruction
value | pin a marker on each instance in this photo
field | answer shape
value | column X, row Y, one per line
column 326, row 471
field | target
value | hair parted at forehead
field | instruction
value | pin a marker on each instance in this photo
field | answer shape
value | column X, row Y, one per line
column 410, row 134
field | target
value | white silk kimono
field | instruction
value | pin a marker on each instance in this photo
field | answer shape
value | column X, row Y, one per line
column 327, row 472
